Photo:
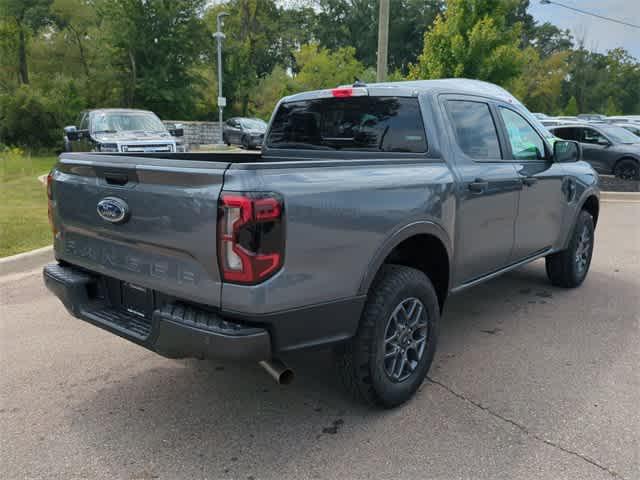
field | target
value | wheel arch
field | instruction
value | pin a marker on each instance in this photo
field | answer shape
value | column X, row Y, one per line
column 592, row 205
column 414, row 245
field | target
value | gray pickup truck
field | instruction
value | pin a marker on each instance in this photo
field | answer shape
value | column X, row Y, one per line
column 366, row 208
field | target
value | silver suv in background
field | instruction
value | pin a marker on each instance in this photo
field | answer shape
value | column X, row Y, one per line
column 122, row 130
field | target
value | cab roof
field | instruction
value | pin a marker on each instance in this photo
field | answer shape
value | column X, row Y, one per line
column 415, row 87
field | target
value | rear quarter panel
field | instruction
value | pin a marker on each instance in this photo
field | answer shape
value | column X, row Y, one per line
column 338, row 217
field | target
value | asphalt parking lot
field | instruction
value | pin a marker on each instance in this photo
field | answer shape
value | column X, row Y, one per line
column 530, row 381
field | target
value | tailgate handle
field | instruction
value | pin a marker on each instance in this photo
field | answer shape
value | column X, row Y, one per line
column 116, row 178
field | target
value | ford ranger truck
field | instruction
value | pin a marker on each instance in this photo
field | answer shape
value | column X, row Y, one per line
column 367, row 206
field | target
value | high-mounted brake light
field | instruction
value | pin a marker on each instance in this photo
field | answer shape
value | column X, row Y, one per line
column 250, row 236
column 342, row 92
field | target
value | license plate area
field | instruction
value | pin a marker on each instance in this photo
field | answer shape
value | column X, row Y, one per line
column 137, row 300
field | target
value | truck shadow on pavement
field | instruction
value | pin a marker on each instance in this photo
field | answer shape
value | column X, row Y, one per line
column 220, row 420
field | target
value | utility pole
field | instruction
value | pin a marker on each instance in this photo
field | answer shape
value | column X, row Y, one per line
column 222, row 102
column 383, row 40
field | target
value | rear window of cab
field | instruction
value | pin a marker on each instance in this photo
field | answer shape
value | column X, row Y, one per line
column 364, row 123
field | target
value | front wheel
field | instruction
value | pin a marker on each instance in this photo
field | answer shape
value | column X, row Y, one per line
column 627, row 169
column 388, row 359
column 569, row 267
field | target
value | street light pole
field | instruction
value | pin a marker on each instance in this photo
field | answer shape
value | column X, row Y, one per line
column 383, row 40
column 219, row 37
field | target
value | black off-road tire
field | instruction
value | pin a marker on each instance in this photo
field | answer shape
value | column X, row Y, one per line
column 627, row 169
column 564, row 268
column 361, row 361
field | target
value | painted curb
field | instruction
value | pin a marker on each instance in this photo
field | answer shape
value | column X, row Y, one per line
column 26, row 261
column 620, row 196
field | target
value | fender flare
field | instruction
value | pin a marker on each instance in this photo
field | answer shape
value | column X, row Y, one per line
column 422, row 227
column 579, row 207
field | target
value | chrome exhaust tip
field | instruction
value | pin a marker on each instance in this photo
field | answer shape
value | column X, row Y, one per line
column 282, row 374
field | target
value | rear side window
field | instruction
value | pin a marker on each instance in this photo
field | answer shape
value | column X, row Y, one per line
column 475, row 131
column 567, row 133
column 383, row 124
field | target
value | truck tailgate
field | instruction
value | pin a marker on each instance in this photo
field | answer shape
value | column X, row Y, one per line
column 167, row 238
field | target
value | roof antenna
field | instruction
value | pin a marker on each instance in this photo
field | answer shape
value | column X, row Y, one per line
column 358, row 83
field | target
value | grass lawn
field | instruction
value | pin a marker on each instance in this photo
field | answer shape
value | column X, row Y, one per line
column 23, row 204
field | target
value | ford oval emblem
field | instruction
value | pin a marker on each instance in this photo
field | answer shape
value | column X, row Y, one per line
column 113, row 210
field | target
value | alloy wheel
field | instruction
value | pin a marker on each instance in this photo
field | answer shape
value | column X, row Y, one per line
column 405, row 339
column 583, row 250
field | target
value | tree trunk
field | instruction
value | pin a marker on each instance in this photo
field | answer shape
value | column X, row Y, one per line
column 133, row 79
column 83, row 59
column 22, row 56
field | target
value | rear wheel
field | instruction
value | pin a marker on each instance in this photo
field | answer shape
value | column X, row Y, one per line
column 569, row 268
column 627, row 169
column 388, row 359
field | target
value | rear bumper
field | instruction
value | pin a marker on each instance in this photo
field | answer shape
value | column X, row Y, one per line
column 174, row 330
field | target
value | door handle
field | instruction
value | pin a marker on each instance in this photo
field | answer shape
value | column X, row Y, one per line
column 478, row 185
column 529, row 181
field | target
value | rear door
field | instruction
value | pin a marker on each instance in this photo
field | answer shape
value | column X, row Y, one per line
column 490, row 189
column 166, row 240
column 541, row 204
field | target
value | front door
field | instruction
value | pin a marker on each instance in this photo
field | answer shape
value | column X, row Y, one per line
column 540, row 208
column 488, row 201
column 595, row 149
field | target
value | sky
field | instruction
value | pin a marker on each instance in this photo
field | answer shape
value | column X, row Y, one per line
column 599, row 35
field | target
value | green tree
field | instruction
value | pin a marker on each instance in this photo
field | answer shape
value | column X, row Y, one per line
column 77, row 18
column 321, row 68
column 539, row 86
column 29, row 17
column 251, row 49
column 612, row 109
column 155, row 45
column 572, row 107
column 354, row 23
column 472, row 39
column 269, row 90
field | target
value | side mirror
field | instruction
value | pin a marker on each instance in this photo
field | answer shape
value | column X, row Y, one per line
column 565, row 151
column 177, row 130
column 604, row 142
column 71, row 132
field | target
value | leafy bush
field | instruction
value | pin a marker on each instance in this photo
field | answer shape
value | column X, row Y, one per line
column 32, row 119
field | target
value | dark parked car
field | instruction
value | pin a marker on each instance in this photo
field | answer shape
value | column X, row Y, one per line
column 121, row 130
column 610, row 149
column 248, row 132
column 367, row 206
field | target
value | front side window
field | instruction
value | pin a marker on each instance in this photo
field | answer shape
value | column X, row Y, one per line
column 474, row 128
column 383, row 124
column 525, row 142
column 589, row 135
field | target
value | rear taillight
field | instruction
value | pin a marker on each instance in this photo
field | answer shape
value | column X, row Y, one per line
column 250, row 236
column 50, row 202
